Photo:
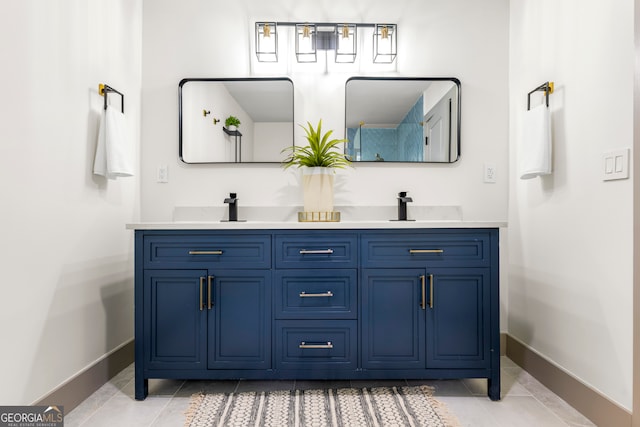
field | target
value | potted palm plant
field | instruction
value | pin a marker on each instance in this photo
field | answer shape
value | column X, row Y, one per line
column 318, row 161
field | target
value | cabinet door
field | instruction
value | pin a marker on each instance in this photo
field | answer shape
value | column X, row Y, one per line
column 239, row 321
column 393, row 322
column 174, row 319
column 458, row 318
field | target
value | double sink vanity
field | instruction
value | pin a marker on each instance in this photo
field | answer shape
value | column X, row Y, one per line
column 362, row 299
column 274, row 298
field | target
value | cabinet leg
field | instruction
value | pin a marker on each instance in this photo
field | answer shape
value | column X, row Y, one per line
column 142, row 388
column 493, row 387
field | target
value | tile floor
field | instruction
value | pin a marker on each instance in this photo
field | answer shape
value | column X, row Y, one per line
column 525, row 402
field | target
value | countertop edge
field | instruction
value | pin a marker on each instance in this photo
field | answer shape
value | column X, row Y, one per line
column 282, row 225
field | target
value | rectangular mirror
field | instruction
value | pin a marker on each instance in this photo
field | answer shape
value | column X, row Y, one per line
column 264, row 107
column 402, row 119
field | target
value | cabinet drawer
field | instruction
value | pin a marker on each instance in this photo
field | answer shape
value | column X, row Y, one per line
column 311, row 250
column 316, row 294
column 459, row 248
column 223, row 251
column 316, row 344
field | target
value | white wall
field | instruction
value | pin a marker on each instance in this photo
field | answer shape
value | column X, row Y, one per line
column 67, row 262
column 202, row 139
column 193, row 38
column 66, row 297
column 570, row 234
column 270, row 139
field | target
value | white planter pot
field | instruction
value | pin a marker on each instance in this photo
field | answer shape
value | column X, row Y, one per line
column 317, row 185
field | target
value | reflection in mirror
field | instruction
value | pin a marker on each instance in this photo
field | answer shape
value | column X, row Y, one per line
column 402, row 119
column 264, row 107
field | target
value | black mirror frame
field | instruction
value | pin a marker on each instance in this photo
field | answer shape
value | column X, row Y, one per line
column 459, row 110
column 223, row 79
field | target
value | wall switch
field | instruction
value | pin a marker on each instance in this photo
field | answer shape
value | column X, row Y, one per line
column 162, row 173
column 615, row 165
column 489, row 173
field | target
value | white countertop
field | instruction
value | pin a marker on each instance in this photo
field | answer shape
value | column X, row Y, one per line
column 284, row 225
column 282, row 218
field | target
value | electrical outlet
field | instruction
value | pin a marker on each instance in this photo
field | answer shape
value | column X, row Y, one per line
column 162, row 173
column 489, row 173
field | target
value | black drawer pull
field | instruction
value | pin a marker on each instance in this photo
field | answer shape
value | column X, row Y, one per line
column 316, row 252
column 303, row 294
column 303, row 344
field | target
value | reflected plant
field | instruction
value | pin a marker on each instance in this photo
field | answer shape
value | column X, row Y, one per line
column 231, row 121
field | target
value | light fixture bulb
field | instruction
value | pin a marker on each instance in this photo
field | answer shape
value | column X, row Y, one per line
column 267, row 41
column 345, row 32
column 306, row 32
column 384, row 43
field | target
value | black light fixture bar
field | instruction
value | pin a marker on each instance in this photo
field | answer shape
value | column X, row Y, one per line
column 324, row 38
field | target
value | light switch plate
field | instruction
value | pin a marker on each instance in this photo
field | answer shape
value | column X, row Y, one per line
column 615, row 165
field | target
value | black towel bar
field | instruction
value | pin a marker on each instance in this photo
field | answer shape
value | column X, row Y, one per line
column 104, row 90
column 547, row 87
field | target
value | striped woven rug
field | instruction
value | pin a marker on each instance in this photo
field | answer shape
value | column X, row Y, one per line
column 348, row 407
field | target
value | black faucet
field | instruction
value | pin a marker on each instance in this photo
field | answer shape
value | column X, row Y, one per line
column 233, row 206
column 402, row 205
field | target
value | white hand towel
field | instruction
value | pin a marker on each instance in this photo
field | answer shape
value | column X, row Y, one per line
column 114, row 153
column 534, row 154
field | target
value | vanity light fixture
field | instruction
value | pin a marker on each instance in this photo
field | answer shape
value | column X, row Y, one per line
column 385, row 43
column 267, row 41
column 346, row 43
column 311, row 37
column 306, row 47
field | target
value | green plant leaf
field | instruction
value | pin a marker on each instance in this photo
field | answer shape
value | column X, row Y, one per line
column 321, row 151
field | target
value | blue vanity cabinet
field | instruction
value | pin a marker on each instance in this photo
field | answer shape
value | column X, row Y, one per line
column 430, row 301
column 207, row 319
column 425, row 318
column 317, row 303
column 203, row 304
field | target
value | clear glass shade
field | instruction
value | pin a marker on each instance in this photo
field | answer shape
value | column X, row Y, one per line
column 385, row 43
column 306, row 47
column 266, row 41
column 346, row 42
